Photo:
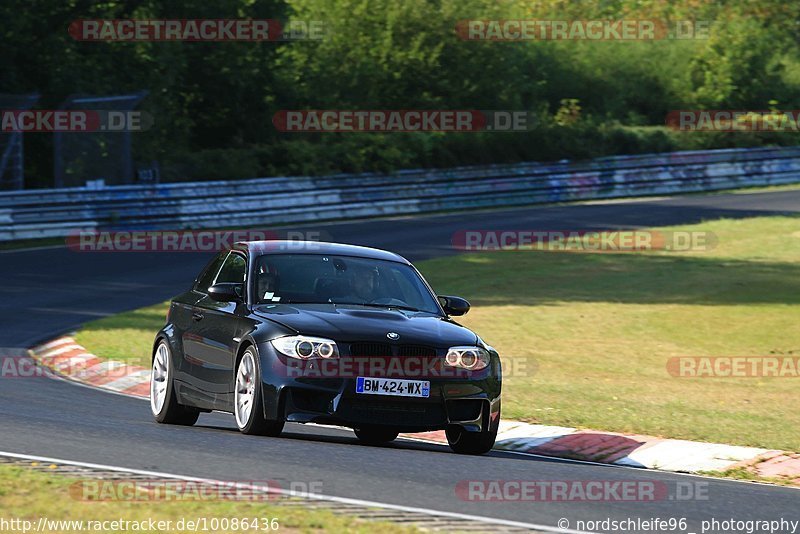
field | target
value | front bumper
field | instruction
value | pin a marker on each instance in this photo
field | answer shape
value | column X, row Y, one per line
column 471, row 402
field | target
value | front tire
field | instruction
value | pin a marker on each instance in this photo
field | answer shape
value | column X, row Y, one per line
column 475, row 443
column 248, row 403
column 371, row 435
column 163, row 401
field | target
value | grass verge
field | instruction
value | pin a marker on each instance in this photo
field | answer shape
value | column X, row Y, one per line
column 31, row 243
column 746, row 475
column 591, row 333
column 29, row 495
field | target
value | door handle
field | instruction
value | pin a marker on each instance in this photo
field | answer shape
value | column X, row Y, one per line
column 197, row 315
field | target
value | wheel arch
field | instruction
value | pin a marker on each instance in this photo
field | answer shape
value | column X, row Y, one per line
column 166, row 334
column 272, row 393
column 159, row 338
column 241, row 349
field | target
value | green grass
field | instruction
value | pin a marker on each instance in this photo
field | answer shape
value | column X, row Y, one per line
column 590, row 334
column 596, row 330
column 747, row 475
column 32, row 243
column 125, row 337
column 28, row 494
column 765, row 189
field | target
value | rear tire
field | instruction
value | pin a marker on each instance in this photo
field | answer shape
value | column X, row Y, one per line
column 371, row 435
column 163, row 401
column 463, row 442
column 249, row 400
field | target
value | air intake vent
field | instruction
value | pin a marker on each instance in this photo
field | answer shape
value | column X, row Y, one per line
column 385, row 349
column 417, row 351
column 367, row 350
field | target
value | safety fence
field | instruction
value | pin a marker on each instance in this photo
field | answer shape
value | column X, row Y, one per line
column 283, row 200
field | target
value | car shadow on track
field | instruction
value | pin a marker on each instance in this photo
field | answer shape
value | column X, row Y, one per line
column 324, row 434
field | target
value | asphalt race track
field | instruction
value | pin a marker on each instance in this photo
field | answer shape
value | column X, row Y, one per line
column 49, row 291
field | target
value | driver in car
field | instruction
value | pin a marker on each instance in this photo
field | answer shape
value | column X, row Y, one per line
column 363, row 284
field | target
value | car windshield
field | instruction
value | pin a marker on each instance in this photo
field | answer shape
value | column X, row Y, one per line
column 320, row 278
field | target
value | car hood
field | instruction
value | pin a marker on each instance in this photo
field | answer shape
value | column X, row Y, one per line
column 357, row 323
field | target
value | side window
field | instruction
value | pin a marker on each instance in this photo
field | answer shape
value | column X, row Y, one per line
column 207, row 278
column 233, row 270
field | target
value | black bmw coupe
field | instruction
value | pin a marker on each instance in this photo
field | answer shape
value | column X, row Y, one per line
column 309, row 332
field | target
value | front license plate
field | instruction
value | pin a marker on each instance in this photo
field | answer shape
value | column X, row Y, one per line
column 393, row 386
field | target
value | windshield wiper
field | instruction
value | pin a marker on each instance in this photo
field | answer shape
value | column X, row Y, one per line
column 291, row 302
column 367, row 304
column 390, row 306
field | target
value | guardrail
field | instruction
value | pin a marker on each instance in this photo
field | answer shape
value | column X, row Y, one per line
column 264, row 201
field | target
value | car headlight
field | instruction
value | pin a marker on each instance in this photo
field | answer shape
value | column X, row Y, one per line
column 306, row 348
column 471, row 358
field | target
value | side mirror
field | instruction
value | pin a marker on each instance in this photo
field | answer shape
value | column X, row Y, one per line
column 226, row 292
column 453, row 305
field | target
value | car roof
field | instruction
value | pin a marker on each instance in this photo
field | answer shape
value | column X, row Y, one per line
column 257, row 248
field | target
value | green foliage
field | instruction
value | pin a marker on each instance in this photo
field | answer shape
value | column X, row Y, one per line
column 213, row 103
column 568, row 113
